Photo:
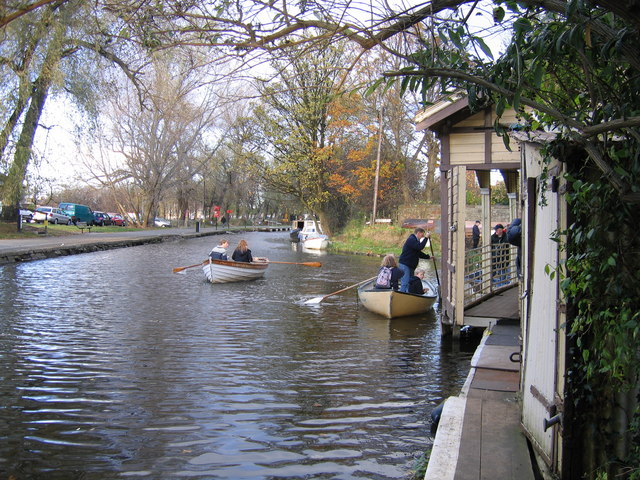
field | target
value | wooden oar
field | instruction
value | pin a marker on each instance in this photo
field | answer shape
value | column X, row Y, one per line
column 317, row 300
column 306, row 264
column 179, row 269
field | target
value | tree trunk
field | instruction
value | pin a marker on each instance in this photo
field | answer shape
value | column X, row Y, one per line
column 14, row 185
column 25, row 88
column 433, row 157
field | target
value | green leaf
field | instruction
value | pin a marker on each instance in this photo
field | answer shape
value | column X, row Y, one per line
column 500, row 106
column 484, row 47
column 538, row 71
column 456, row 40
column 516, row 101
column 498, row 14
column 522, row 26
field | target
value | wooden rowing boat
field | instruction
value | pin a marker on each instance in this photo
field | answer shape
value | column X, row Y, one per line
column 226, row 271
column 391, row 303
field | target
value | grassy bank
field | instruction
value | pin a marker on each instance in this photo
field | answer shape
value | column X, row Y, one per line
column 377, row 240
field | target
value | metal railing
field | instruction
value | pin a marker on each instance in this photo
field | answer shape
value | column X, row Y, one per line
column 487, row 269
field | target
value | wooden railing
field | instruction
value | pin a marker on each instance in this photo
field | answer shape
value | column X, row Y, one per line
column 487, row 269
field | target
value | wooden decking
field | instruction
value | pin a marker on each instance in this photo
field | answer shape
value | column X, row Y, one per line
column 492, row 444
column 479, row 436
column 504, row 304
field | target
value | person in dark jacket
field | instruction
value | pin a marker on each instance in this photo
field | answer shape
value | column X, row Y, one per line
column 411, row 255
column 499, row 256
column 242, row 253
column 514, row 237
column 415, row 283
column 475, row 234
column 219, row 252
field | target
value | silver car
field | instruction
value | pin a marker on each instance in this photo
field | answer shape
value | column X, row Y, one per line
column 51, row 214
column 161, row 222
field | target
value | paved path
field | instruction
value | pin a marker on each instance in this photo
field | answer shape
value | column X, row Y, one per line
column 46, row 246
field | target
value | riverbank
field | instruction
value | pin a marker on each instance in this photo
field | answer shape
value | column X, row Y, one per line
column 37, row 247
column 35, row 242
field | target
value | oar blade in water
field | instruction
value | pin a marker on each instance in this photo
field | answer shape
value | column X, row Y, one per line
column 314, row 301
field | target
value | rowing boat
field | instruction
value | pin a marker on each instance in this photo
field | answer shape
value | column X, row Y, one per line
column 391, row 303
column 226, row 271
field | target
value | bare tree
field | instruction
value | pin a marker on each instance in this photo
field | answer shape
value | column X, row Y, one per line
column 157, row 148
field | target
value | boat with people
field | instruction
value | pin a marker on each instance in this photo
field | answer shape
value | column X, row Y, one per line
column 392, row 303
column 227, row 271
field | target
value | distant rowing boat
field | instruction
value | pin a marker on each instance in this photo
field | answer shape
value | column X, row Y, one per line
column 226, row 271
column 391, row 303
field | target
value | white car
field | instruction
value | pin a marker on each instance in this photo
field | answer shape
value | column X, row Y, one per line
column 161, row 222
column 26, row 215
column 52, row 215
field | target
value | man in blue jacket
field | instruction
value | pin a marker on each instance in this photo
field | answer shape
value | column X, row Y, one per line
column 411, row 255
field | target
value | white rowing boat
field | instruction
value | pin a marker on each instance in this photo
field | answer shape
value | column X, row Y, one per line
column 391, row 303
column 226, row 271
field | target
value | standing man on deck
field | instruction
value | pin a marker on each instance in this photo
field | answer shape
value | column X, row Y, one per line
column 475, row 234
column 499, row 256
column 411, row 255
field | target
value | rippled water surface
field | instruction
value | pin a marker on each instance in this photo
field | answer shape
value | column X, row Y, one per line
column 114, row 367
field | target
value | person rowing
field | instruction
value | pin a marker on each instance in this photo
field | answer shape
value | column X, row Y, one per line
column 219, row 252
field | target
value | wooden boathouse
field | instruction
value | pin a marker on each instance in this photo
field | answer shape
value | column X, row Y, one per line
column 469, row 143
column 471, row 297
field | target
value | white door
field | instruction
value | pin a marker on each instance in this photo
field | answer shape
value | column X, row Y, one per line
column 540, row 308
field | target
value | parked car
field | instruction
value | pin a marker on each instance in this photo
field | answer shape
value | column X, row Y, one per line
column 101, row 219
column 78, row 213
column 117, row 219
column 161, row 222
column 51, row 214
column 27, row 215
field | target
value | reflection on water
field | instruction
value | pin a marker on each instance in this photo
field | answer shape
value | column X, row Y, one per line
column 113, row 366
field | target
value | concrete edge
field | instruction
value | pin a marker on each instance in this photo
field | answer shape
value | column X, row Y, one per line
column 446, row 446
column 478, row 353
column 27, row 254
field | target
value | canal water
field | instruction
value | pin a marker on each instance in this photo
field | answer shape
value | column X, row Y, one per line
column 111, row 366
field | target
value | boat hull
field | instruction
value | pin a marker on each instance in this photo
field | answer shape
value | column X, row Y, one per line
column 393, row 304
column 227, row 271
column 316, row 243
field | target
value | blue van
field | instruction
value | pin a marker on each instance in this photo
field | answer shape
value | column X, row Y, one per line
column 78, row 213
